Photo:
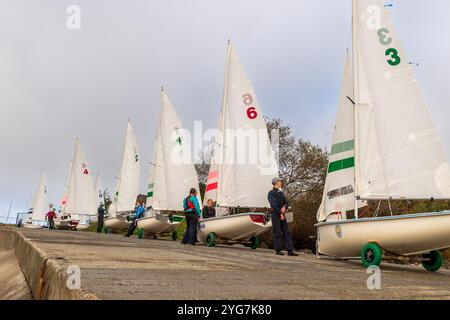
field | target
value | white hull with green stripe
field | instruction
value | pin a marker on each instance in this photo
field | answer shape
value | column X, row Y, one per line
column 385, row 147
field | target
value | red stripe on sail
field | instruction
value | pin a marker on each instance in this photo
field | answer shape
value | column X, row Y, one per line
column 213, row 175
column 211, row 186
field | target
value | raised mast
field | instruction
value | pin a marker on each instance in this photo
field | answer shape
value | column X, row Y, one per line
column 222, row 120
column 356, row 100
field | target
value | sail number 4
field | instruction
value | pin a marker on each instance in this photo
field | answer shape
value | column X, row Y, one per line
column 251, row 111
column 392, row 53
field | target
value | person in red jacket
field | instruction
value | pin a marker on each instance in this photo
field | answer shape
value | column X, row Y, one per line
column 51, row 216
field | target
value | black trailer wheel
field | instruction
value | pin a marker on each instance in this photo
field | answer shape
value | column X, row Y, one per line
column 174, row 236
column 434, row 261
column 211, row 239
column 254, row 242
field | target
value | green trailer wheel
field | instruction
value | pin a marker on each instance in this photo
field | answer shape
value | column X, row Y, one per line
column 435, row 261
column 254, row 242
column 371, row 255
column 140, row 233
column 106, row 230
column 174, row 236
column 211, row 239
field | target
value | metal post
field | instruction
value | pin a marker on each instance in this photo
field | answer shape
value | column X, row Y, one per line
column 9, row 211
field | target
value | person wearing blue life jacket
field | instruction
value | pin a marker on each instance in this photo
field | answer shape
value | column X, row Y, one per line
column 192, row 214
column 139, row 213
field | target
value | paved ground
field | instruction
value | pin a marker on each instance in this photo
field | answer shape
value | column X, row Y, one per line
column 13, row 285
column 114, row 267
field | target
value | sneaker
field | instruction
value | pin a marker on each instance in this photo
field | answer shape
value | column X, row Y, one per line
column 280, row 253
column 292, row 254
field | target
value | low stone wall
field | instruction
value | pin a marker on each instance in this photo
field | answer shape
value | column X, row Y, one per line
column 45, row 275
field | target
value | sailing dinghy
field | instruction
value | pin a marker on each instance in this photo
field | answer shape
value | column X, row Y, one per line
column 127, row 187
column 172, row 175
column 385, row 147
column 40, row 206
column 239, row 188
column 80, row 207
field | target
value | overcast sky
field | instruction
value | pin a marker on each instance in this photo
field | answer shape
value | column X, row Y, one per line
column 57, row 84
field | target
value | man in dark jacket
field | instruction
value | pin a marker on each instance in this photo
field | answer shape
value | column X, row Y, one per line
column 209, row 211
column 280, row 205
column 100, row 217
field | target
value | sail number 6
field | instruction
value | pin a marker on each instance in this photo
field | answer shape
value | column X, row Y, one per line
column 251, row 111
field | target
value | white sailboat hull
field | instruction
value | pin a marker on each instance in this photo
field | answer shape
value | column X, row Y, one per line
column 235, row 227
column 157, row 224
column 66, row 224
column 117, row 223
column 32, row 226
column 404, row 235
column 83, row 226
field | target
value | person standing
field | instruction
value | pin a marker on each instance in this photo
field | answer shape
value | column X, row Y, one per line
column 279, row 204
column 192, row 214
column 50, row 217
column 140, row 210
column 100, row 217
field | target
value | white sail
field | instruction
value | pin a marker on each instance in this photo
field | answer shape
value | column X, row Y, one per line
column 398, row 148
column 127, row 188
column 174, row 173
column 247, row 160
column 98, row 187
column 81, row 200
column 338, row 195
column 68, row 192
column 40, row 203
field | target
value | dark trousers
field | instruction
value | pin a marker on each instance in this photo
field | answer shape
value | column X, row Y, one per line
column 132, row 227
column 99, row 225
column 280, row 228
column 190, row 235
column 51, row 224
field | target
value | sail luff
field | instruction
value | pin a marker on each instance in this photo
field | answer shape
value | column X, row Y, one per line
column 128, row 184
column 223, row 111
column 356, row 102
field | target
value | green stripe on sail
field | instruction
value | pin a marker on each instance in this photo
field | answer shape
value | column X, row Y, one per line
column 149, row 194
column 343, row 147
column 341, row 165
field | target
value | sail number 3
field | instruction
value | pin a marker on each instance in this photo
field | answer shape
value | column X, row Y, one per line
column 392, row 53
column 251, row 111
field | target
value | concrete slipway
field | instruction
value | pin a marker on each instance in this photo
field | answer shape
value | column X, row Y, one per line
column 114, row 267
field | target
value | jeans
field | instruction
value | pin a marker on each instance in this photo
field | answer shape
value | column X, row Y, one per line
column 280, row 228
column 51, row 224
column 99, row 225
column 132, row 227
column 190, row 235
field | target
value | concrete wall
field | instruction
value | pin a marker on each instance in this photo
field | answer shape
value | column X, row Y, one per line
column 44, row 274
